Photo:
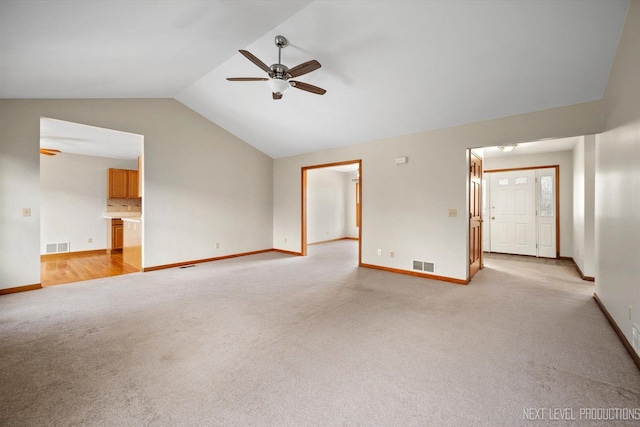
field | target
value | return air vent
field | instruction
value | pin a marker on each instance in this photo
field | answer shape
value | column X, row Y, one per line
column 56, row 248
column 427, row 267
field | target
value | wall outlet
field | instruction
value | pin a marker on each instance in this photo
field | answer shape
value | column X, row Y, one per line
column 453, row 213
column 26, row 212
column 217, row 245
column 392, row 254
column 129, row 207
column 285, row 240
column 379, row 251
column 90, row 240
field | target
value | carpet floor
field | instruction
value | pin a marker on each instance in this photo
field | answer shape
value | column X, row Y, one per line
column 277, row 340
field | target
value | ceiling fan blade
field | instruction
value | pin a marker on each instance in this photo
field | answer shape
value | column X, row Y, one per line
column 276, row 95
column 247, row 79
column 251, row 57
column 304, row 68
column 309, row 88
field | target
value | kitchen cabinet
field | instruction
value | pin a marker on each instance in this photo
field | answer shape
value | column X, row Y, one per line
column 117, row 186
column 123, row 184
column 117, row 235
column 132, row 177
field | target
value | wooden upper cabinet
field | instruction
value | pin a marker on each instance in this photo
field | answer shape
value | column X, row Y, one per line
column 118, row 188
column 133, row 184
column 123, row 184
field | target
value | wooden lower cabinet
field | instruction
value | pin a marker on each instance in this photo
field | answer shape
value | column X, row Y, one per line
column 116, row 234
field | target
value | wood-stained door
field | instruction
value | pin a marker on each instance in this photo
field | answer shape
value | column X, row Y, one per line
column 475, row 215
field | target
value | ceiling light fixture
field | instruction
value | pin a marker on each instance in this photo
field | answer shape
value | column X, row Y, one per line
column 278, row 86
column 507, row 148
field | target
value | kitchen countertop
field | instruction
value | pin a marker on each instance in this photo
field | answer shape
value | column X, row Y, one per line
column 136, row 219
column 118, row 215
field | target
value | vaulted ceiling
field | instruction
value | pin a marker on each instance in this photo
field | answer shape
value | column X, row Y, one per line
column 390, row 67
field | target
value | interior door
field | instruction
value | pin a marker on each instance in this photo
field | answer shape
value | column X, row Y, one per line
column 513, row 213
column 547, row 212
column 475, row 215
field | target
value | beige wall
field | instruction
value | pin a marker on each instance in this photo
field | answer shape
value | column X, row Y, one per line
column 326, row 205
column 202, row 185
column 618, row 184
column 405, row 207
column 584, row 204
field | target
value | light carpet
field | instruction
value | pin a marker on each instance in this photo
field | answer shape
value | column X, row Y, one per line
column 276, row 340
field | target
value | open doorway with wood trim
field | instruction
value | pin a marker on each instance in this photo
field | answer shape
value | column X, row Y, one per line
column 553, row 182
column 331, row 204
column 91, row 196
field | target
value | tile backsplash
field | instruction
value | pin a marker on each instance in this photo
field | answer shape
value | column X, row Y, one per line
column 124, row 205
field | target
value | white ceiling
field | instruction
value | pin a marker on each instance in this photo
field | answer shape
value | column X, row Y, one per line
column 75, row 138
column 390, row 67
column 125, row 48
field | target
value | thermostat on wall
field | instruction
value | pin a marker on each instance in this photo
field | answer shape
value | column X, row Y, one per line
column 401, row 160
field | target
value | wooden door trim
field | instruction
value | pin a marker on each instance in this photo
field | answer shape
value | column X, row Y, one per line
column 303, row 199
column 557, row 168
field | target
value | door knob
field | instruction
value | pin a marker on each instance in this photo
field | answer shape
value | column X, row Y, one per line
column 493, row 217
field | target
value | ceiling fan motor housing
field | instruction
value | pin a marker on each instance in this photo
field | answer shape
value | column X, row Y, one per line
column 280, row 71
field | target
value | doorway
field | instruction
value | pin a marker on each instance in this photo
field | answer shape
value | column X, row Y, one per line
column 352, row 171
column 82, row 208
column 523, row 210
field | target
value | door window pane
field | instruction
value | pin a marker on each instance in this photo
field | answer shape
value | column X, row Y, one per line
column 546, row 196
column 503, row 181
column 521, row 180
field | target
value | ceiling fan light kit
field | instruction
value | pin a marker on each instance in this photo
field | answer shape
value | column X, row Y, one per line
column 280, row 74
column 278, row 86
column 507, row 148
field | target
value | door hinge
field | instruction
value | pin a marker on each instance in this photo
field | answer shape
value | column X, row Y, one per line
column 536, row 246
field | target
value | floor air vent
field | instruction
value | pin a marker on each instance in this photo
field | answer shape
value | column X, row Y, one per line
column 56, row 248
column 427, row 267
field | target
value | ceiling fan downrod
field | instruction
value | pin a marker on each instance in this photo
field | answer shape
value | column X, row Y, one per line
column 279, row 70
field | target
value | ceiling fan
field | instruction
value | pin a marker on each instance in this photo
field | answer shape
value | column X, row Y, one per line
column 49, row 151
column 280, row 74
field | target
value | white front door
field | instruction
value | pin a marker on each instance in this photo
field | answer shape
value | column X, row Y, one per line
column 523, row 212
column 513, row 212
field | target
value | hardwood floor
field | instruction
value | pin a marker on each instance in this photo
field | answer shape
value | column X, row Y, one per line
column 70, row 268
